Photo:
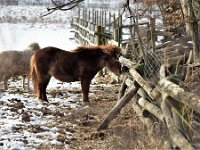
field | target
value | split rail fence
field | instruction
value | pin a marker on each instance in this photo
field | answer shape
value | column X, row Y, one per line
column 164, row 100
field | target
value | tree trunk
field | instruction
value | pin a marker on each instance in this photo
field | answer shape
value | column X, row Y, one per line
column 192, row 26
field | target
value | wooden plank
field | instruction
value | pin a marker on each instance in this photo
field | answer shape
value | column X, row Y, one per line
column 174, row 133
column 187, row 98
column 133, row 25
column 137, row 77
column 163, row 33
column 153, row 109
column 126, row 62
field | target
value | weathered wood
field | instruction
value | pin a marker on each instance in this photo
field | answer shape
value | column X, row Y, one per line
column 160, row 47
column 98, row 37
column 123, row 87
column 127, row 62
column 175, row 135
column 181, row 120
column 116, row 34
column 174, row 60
column 133, row 25
column 188, row 70
column 129, row 82
column 163, row 33
column 142, row 93
column 178, row 64
column 138, row 111
column 118, row 106
column 152, row 29
column 150, row 107
column 180, row 116
column 162, row 71
column 138, row 78
column 187, row 98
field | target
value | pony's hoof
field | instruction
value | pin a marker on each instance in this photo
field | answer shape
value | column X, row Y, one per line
column 86, row 103
column 44, row 101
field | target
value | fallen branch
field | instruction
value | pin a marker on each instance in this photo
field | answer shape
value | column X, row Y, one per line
column 118, row 106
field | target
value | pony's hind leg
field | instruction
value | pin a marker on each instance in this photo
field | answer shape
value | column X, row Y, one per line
column 5, row 80
column 42, row 89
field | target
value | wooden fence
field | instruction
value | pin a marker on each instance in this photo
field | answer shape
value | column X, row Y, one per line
column 96, row 27
column 165, row 100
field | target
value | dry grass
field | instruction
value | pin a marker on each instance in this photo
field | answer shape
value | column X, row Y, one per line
column 126, row 131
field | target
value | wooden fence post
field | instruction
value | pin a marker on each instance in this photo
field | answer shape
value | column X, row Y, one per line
column 99, row 41
column 89, row 15
column 98, row 37
column 152, row 30
column 79, row 12
column 105, row 18
column 93, row 16
column 109, row 22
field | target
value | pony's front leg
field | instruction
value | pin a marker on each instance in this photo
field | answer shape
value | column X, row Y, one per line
column 85, row 85
column 42, row 92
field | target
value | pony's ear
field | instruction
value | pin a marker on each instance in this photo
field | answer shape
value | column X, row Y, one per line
column 115, row 51
column 112, row 50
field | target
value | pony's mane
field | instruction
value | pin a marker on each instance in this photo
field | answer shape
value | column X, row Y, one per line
column 109, row 49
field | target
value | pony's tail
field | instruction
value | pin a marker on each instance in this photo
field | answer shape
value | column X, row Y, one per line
column 33, row 74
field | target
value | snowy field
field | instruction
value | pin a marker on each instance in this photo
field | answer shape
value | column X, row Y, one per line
column 18, row 36
column 25, row 122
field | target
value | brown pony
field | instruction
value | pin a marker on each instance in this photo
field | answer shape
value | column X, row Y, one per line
column 81, row 64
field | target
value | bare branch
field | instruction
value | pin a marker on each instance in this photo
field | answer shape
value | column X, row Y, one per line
column 70, row 4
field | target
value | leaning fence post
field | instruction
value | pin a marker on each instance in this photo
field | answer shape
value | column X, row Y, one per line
column 118, row 106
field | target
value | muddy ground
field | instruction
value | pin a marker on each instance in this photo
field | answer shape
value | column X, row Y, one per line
column 126, row 131
column 64, row 123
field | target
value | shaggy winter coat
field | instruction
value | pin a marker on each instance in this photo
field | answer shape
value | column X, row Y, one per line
column 15, row 63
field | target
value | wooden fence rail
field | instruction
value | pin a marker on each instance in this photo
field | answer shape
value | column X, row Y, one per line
column 165, row 101
column 96, row 27
column 172, row 98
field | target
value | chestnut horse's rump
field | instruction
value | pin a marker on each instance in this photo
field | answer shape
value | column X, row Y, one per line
column 81, row 64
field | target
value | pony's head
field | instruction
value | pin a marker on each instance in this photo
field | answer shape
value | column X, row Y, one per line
column 112, row 58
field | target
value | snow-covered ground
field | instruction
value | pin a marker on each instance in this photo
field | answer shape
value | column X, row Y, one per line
column 25, row 122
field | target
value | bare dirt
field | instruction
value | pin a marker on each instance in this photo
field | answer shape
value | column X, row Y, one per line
column 60, row 125
column 126, row 131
